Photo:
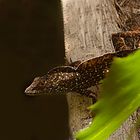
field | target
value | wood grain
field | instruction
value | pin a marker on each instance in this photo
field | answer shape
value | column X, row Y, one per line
column 88, row 25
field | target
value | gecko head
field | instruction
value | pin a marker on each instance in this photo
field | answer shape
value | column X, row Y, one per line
column 37, row 87
column 57, row 82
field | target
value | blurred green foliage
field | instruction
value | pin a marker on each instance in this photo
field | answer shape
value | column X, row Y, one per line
column 120, row 97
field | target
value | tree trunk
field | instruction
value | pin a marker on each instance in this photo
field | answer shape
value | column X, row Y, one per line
column 88, row 26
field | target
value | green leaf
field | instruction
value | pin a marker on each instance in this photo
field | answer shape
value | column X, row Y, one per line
column 120, row 97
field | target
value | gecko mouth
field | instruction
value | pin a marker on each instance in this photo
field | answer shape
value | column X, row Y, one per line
column 30, row 91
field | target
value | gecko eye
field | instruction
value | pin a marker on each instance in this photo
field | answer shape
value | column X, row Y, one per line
column 39, row 84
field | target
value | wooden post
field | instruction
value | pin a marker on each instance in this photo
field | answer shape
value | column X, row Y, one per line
column 88, row 25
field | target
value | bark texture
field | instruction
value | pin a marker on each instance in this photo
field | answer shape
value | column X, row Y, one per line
column 88, row 25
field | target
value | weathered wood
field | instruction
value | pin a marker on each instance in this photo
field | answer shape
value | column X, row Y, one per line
column 88, row 25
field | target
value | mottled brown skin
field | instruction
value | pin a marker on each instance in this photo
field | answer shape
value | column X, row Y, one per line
column 81, row 75
column 68, row 79
column 126, row 40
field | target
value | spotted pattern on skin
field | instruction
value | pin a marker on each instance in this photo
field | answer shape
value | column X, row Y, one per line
column 79, row 76
column 68, row 79
column 53, row 82
column 126, row 40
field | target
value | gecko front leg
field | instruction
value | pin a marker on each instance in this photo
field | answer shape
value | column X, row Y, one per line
column 90, row 94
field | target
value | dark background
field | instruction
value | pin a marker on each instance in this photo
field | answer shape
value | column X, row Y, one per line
column 31, row 43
